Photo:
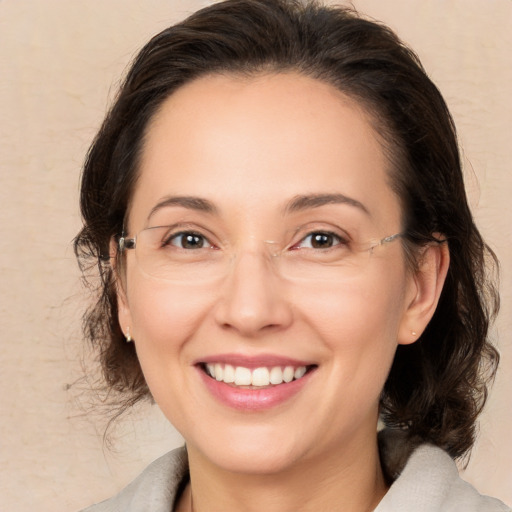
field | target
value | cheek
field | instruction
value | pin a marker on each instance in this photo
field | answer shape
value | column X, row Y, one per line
column 164, row 316
column 355, row 312
column 358, row 324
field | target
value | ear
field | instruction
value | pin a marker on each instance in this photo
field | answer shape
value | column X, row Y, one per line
column 123, row 310
column 424, row 290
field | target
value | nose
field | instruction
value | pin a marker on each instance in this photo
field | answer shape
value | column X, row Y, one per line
column 253, row 298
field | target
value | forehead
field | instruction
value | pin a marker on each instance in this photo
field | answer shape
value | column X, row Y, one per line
column 250, row 142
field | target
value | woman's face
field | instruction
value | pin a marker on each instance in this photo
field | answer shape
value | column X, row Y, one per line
column 263, row 181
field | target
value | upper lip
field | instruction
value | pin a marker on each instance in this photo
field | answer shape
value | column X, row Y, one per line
column 253, row 361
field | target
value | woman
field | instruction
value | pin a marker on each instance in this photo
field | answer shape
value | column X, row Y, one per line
column 277, row 208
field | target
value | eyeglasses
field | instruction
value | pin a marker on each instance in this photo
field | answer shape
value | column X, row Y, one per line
column 176, row 253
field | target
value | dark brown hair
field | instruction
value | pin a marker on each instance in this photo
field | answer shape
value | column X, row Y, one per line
column 438, row 385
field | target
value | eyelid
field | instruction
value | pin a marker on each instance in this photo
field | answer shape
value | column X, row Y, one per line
column 182, row 228
column 302, row 232
column 174, row 236
column 337, row 241
column 297, row 236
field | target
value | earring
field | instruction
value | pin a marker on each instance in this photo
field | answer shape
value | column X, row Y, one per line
column 414, row 333
column 128, row 337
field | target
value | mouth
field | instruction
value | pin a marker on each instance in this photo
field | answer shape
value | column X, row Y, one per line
column 255, row 383
column 261, row 377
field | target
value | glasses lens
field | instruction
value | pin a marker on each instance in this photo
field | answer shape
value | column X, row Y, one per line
column 167, row 255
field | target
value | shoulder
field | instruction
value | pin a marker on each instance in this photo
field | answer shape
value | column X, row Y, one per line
column 426, row 479
column 154, row 489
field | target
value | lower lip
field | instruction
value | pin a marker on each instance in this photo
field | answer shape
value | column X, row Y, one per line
column 253, row 399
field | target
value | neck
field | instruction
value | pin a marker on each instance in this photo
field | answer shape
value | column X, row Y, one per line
column 349, row 481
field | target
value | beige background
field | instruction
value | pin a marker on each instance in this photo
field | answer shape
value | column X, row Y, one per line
column 60, row 62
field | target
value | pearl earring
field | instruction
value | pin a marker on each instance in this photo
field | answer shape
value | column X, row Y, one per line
column 128, row 337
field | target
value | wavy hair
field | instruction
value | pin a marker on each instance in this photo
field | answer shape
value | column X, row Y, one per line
column 437, row 386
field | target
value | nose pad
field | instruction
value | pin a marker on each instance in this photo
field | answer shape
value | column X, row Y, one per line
column 272, row 248
column 253, row 297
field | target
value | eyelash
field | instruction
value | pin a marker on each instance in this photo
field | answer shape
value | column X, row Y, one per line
column 337, row 240
column 168, row 240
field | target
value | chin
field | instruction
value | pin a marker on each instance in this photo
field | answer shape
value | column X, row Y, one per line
column 255, row 453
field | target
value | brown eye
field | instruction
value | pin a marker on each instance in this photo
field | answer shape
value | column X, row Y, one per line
column 189, row 240
column 319, row 240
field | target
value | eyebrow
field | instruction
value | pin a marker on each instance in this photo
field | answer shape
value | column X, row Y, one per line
column 298, row 203
column 189, row 202
column 305, row 202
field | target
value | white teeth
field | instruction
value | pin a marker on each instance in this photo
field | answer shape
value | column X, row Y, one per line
column 299, row 372
column 243, row 376
column 276, row 375
column 258, row 377
column 219, row 372
column 229, row 374
column 288, row 373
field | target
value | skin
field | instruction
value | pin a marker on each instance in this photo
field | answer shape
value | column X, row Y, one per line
column 249, row 146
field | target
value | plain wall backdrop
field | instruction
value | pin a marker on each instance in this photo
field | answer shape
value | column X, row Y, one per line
column 60, row 64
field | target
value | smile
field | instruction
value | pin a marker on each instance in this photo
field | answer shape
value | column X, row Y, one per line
column 256, row 383
column 257, row 377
